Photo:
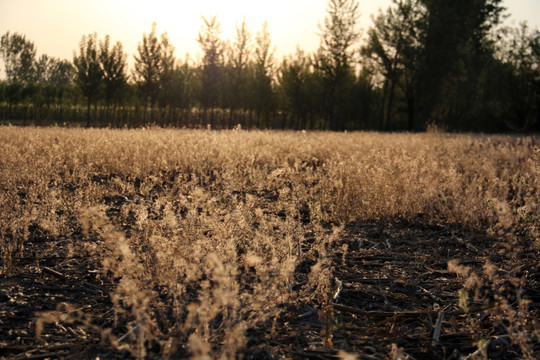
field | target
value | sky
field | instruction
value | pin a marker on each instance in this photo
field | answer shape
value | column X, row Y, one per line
column 56, row 26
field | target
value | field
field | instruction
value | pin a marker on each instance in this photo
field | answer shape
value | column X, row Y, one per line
column 157, row 243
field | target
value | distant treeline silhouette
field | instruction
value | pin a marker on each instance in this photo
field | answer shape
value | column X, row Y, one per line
column 452, row 64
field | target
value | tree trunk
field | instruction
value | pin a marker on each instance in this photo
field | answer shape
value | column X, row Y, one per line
column 386, row 123
column 88, row 105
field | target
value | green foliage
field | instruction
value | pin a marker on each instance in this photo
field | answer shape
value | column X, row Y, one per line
column 393, row 51
column 262, row 91
column 154, row 66
column 60, row 73
column 88, row 72
column 335, row 58
column 13, row 93
column 434, row 61
column 520, row 58
column 181, row 91
column 444, row 64
column 212, row 62
column 19, row 56
column 453, row 52
column 299, row 89
column 114, row 68
column 237, row 75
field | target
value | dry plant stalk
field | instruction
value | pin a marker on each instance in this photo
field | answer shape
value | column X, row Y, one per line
column 202, row 230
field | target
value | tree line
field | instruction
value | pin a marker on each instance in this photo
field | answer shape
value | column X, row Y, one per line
column 448, row 63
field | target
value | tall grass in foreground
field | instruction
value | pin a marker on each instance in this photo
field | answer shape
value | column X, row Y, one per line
column 203, row 230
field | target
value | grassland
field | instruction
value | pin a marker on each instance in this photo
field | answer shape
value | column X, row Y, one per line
column 157, row 243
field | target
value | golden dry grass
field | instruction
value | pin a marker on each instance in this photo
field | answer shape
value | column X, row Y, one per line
column 202, row 230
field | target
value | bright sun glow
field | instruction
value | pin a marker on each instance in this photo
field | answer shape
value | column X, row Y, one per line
column 289, row 24
column 56, row 26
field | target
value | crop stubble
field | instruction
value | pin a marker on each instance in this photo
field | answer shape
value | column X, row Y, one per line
column 178, row 243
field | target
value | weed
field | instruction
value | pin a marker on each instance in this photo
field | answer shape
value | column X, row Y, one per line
column 201, row 231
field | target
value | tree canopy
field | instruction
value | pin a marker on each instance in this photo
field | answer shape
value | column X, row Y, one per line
column 449, row 63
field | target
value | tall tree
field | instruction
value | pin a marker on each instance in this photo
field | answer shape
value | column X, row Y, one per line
column 54, row 76
column 19, row 56
column 520, row 55
column 431, row 55
column 166, row 70
column 43, row 64
column 88, row 72
column 212, row 62
column 238, row 59
column 335, row 56
column 153, row 65
column 114, row 67
column 240, row 52
column 455, row 36
column 393, row 51
column 299, row 90
column 60, row 72
column 263, row 96
column 181, row 91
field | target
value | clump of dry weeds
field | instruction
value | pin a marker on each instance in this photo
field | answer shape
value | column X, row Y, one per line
column 202, row 230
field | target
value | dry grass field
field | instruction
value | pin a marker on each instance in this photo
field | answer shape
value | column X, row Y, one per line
column 157, row 243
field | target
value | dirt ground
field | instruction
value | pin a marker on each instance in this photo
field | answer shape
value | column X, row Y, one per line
column 395, row 296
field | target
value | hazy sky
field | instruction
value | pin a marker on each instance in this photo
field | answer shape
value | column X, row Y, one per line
column 56, row 26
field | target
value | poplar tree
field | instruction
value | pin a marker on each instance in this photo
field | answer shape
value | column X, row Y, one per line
column 519, row 78
column 88, row 72
column 239, row 57
column 19, row 56
column 335, row 57
column 114, row 67
column 299, row 90
column 455, row 48
column 212, row 62
column 263, row 96
column 153, row 65
column 393, row 51
column 432, row 55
